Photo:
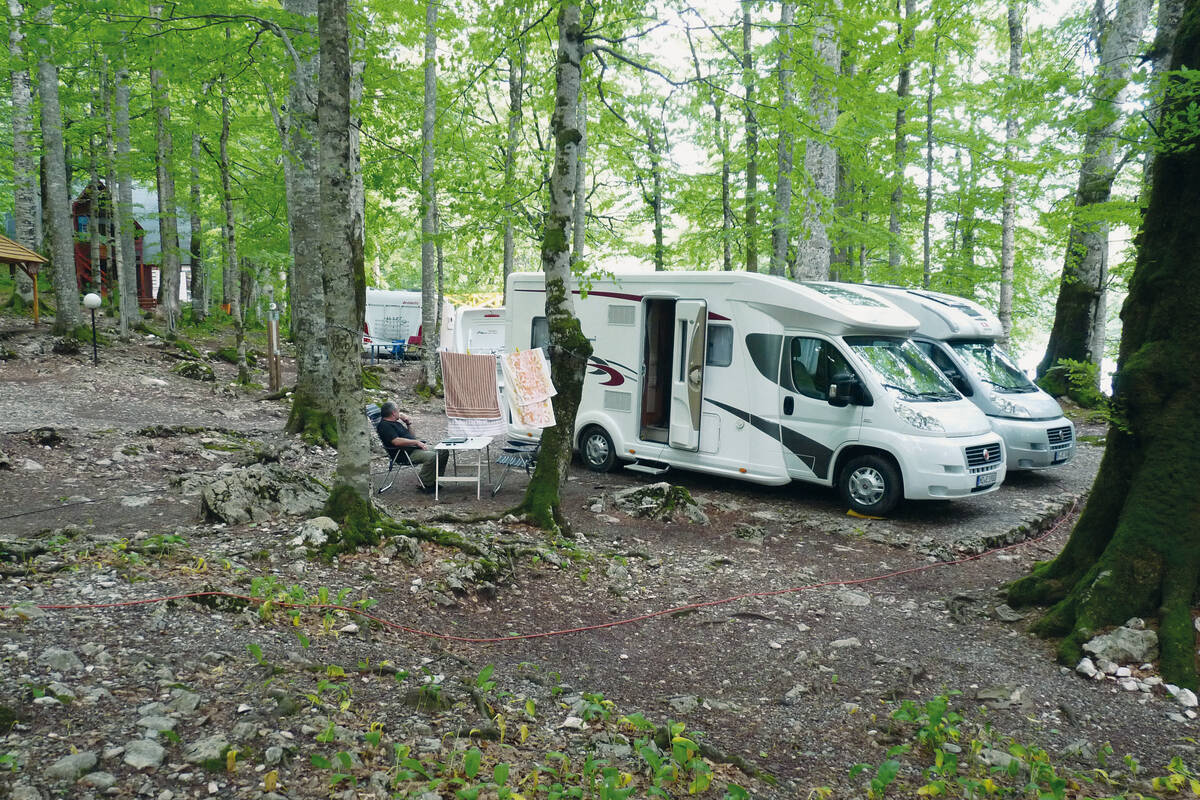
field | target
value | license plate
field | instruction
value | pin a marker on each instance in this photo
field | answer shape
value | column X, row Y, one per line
column 986, row 479
column 1061, row 455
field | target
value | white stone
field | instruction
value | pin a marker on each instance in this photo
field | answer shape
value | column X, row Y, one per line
column 31, row 466
column 1086, row 667
column 1186, row 698
column 849, row 642
column 1128, row 684
column 774, row 645
column 1123, row 672
column 572, row 724
column 852, row 598
column 349, row 628
column 144, row 753
column 71, row 767
column 1107, row 667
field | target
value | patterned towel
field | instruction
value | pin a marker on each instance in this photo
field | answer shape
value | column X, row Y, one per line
column 470, row 385
column 527, row 376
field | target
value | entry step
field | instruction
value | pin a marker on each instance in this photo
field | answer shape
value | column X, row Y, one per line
column 648, row 467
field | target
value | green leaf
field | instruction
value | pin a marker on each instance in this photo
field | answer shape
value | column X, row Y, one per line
column 321, row 762
column 472, row 761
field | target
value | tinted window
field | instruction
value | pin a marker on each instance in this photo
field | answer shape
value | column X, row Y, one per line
column 719, row 352
column 539, row 334
column 764, row 352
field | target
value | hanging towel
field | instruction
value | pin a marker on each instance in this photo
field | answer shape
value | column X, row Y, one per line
column 527, row 376
column 470, row 385
column 528, row 388
column 471, row 428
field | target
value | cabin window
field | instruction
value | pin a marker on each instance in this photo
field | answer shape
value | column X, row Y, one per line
column 539, row 334
column 811, row 366
column 764, row 352
column 719, row 348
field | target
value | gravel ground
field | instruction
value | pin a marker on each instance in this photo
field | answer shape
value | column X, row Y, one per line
column 781, row 632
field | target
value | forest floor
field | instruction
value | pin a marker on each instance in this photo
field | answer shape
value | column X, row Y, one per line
column 785, row 640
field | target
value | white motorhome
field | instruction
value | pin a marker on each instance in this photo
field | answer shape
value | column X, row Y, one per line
column 392, row 321
column 761, row 379
column 960, row 336
column 479, row 330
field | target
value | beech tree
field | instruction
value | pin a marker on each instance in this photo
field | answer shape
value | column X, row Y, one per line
column 1079, row 313
column 1135, row 550
column 569, row 348
column 25, row 176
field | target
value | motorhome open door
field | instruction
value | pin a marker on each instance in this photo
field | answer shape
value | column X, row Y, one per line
column 687, row 374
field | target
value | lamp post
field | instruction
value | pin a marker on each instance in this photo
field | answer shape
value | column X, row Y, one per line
column 91, row 301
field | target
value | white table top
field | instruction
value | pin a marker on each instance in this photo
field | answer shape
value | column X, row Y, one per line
column 473, row 443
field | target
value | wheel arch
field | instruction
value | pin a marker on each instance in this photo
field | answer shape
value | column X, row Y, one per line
column 855, row 450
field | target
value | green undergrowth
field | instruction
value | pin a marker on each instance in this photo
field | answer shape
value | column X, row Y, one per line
column 942, row 753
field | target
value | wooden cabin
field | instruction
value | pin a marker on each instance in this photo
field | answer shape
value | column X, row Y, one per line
column 102, row 277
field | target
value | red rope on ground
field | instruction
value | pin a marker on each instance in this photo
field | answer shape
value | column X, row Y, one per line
column 565, row 631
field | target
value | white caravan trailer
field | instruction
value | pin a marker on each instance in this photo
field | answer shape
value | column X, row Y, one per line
column 960, row 336
column 392, row 320
column 761, row 379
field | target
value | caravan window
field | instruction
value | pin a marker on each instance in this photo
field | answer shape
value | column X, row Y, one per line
column 764, row 352
column 719, row 352
column 539, row 334
column 812, row 364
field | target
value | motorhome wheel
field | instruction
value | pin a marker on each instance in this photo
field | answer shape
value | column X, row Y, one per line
column 870, row 484
column 598, row 450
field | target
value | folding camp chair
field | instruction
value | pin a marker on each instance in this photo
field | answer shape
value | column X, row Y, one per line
column 517, row 453
column 398, row 459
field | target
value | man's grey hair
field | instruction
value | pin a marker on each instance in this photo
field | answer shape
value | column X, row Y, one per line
column 387, row 409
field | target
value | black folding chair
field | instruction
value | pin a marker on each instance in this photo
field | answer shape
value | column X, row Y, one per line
column 398, row 459
column 519, row 454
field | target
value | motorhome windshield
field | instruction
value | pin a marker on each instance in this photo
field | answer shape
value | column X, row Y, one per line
column 902, row 368
column 992, row 366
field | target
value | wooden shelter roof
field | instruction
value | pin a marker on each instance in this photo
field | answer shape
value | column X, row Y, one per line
column 13, row 253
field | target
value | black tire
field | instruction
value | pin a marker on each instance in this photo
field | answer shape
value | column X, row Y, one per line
column 597, row 449
column 870, row 485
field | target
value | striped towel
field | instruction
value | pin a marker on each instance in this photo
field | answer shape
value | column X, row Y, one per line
column 470, row 385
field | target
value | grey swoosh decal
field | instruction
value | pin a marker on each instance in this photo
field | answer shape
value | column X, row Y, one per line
column 814, row 454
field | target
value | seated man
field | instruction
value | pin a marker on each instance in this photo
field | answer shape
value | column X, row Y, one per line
column 395, row 433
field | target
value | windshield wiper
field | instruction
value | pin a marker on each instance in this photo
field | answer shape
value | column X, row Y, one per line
column 908, row 392
column 1011, row 389
column 940, row 395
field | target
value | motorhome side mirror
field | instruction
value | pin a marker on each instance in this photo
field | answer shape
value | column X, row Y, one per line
column 841, row 389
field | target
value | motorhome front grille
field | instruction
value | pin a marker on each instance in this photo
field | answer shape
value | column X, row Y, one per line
column 618, row 401
column 620, row 315
column 1059, row 436
column 980, row 454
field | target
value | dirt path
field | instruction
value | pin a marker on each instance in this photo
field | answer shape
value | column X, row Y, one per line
column 800, row 683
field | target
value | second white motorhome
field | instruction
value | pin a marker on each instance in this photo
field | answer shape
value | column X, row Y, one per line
column 961, row 338
column 765, row 380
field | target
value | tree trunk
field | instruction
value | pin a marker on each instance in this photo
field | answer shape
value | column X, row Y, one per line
column 1165, row 28
column 569, row 348
column 516, row 90
column 579, row 216
column 94, row 232
column 906, row 31
column 722, row 134
column 25, row 171
column 116, row 246
column 168, row 222
column 127, row 270
column 748, row 81
column 1008, row 223
column 345, row 279
column 233, row 276
column 199, row 283
column 814, row 253
column 67, row 312
column 429, row 370
column 310, row 414
column 1135, row 550
column 1079, row 314
column 781, row 229
column 926, row 246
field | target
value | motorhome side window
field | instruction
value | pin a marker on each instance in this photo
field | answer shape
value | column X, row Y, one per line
column 813, row 364
column 539, row 333
column 719, row 352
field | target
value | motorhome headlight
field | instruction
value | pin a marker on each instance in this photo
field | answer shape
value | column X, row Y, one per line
column 917, row 418
column 1007, row 407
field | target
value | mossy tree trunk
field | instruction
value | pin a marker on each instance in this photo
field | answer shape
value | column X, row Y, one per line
column 569, row 348
column 1079, row 312
column 310, row 416
column 1136, row 548
column 25, row 173
column 429, row 311
column 341, row 249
